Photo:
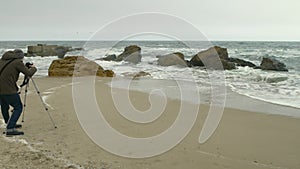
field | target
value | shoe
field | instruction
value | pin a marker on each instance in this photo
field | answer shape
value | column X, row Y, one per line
column 14, row 133
column 18, row 126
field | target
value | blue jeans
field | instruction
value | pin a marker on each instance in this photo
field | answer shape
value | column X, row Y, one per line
column 13, row 100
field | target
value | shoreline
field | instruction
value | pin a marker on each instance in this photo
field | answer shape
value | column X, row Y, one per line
column 259, row 106
column 233, row 99
column 243, row 139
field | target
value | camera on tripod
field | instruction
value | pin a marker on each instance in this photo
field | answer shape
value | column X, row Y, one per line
column 28, row 64
column 26, row 78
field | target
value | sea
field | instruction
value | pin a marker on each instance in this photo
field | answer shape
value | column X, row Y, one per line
column 280, row 88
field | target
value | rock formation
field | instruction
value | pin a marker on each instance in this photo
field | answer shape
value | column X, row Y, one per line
column 49, row 50
column 272, row 64
column 211, row 58
column 77, row 66
column 172, row 59
column 131, row 54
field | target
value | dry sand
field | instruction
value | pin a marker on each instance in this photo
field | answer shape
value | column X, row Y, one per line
column 243, row 140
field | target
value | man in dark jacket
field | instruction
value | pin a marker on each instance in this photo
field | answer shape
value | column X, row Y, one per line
column 12, row 65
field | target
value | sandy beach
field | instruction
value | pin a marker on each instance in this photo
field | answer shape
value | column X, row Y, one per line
column 243, row 140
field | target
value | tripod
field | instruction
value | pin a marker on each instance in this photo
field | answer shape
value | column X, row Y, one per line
column 26, row 82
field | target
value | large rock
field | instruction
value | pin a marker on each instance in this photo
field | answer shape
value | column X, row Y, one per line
column 78, row 66
column 172, row 59
column 131, row 54
column 211, row 58
column 208, row 54
column 272, row 64
column 179, row 54
column 49, row 50
column 60, row 51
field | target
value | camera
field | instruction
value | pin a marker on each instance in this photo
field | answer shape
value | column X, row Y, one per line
column 28, row 64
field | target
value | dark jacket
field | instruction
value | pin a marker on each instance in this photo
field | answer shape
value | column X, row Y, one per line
column 10, row 74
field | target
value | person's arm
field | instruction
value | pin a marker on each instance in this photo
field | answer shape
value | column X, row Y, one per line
column 22, row 68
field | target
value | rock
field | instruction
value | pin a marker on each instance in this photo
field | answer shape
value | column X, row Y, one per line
column 112, row 57
column 209, row 55
column 49, row 50
column 73, row 49
column 140, row 74
column 212, row 57
column 84, row 67
column 272, row 64
column 61, row 51
column 179, row 54
column 131, row 54
column 241, row 62
column 222, row 52
column 172, row 59
column 133, row 58
column 226, row 65
column 271, row 79
column 276, row 79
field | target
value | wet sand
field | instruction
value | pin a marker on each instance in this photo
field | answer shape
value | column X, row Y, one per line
column 244, row 139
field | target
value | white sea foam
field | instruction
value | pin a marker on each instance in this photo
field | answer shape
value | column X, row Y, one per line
column 42, row 63
column 275, row 87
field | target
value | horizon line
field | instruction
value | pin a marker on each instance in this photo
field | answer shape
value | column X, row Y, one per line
column 213, row 40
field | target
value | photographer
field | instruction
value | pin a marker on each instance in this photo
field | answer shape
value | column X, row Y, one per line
column 11, row 64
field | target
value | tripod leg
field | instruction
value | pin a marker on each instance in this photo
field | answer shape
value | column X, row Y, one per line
column 24, row 105
column 38, row 92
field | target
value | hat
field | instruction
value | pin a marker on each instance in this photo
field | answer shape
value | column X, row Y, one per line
column 19, row 53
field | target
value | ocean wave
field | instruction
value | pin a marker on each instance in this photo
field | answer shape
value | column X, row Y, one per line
column 275, row 87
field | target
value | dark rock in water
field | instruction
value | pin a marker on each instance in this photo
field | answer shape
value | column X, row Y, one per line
column 241, row 62
column 131, row 54
column 272, row 79
column 213, row 58
column 209, row 54
column 222, row 52
column 77, row 66
column 61, row 51
column 140, row 74
column 272, row 64
column 77, row 49
column 172, row 59
column 227, row 65
column 112, row 57
column 216, row 64
column 49, row 50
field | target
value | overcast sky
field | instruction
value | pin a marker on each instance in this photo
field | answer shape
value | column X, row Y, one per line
column 216, row 19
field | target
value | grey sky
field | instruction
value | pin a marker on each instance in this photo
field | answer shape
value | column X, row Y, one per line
column 217, row 19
